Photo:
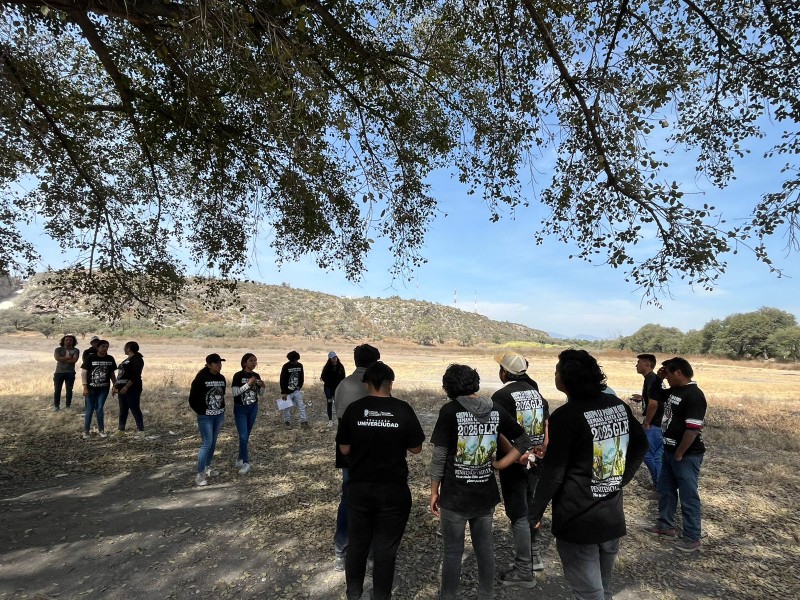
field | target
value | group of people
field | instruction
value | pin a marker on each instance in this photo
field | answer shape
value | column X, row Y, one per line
column 207, row 399
column 579, row 458
column 99, row 375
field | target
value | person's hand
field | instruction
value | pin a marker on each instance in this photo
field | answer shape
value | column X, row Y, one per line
column 678, row 457
column 538, row 451
column 434, row 504
column 252, row 381
column 114, row 391
column 661, row 373
column 646, row 426
column 283, row 396
column 523, row 460
column 86, row 390
column 537, row 525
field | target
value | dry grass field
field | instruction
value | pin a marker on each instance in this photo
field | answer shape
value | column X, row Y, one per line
column 120, row 518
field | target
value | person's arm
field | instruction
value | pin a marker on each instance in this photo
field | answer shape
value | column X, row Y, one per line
column 689, row 436
column 508, row 460
column 434, row 501
column 656, row 390
column 637, row 447
column 58, row 357
column 302, row 379
column 416, row 450
column 197, row 394
column 554, row 467
column 652, row 407
column 113, row 376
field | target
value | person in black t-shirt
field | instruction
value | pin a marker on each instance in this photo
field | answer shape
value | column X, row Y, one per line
column 375, row 433
column 596, row 446
column 682, row 425
column 652, row 412
column 463, row 486
column 246, row 387
column 521, row 398
column 128, row 388
column 97, row 373
column 291, row 381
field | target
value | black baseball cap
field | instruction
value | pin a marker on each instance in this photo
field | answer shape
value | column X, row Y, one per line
column 214, row 358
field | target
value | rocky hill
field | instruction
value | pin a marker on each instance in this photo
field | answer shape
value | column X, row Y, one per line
column 262, row 309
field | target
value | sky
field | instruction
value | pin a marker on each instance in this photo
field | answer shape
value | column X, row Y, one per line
column 496, row 269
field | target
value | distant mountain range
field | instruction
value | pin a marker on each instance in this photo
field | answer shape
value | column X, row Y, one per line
column 282, row 310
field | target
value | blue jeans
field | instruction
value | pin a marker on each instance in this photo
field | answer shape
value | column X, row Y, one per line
column 679, row 479
column 653, row 457
column 95, row 402
column 453, row 525
column 378, row 513
column 210, row 426
column 340, row 538
column 63, row 380
column 588, row 568
column 130, row 402
column 244, row 415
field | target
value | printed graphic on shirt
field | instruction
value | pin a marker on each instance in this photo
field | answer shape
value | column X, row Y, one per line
column 101, row 373
column 215, row 396
column 376, row 418
column 249, row 395
column 294, row 378
column 476, row 444
column 122, row 379
column 530, row 414
column 610, row 431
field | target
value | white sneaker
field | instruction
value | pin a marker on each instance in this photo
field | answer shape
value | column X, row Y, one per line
column 245, row 469
column 239, row 463
column 85, row 435
column 330, row 424
column 201, row 479
column 211, row 472
column 102, row 434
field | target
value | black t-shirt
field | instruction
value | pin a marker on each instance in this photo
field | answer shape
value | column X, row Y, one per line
column 684, row 408
column 596, row 446
column 379, row 432
column 243, row 394
column 99, row 370
column 524, row 402
column 130, row 369
column 469, row 484
column 648, row 381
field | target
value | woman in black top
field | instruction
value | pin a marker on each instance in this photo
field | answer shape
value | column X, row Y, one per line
column 332, row 375
column 246, row 387
column 128, row 388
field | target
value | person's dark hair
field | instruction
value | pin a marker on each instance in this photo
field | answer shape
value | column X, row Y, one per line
column 293, row 355
column 377, row 373
column 649, row 358
column 250, row 355
column 580, row 374
column 102, row 342
column 132, row 346
column 460, row 380
column 74, row 341
column 365, row 355
column 677, row 363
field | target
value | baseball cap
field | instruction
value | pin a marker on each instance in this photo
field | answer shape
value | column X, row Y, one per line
column 512, row 362
column 331, row 354
column 214, row 358
column 94, row 339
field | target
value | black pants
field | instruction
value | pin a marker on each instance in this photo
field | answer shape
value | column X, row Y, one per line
column 377, row 515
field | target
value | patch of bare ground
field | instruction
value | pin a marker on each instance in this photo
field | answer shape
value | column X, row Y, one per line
column 121, row 518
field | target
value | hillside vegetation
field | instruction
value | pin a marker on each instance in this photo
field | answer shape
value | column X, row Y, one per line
column 261, row 310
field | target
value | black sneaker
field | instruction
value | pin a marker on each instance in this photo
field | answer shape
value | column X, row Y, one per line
column 514, row 577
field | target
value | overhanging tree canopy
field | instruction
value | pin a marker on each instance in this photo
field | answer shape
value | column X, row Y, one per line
column 134, row 127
